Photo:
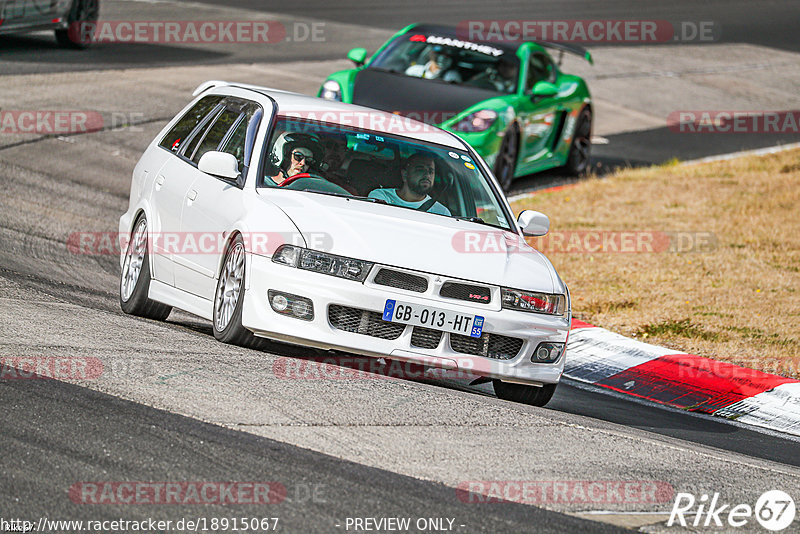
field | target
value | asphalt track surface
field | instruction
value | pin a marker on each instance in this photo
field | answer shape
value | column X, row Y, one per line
column 772, row 24
column 55, row 434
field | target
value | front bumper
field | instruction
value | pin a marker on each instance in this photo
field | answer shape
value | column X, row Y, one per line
column 326, row 291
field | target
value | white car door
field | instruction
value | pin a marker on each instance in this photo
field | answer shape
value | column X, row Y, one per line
column 171, row 183
column 212, row 204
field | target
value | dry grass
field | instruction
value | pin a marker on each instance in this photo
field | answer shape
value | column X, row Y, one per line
column 737, row 302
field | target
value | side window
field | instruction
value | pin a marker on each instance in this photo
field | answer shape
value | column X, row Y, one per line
column 178, row 134
column 539, row 68
column 236, row 142
column 215, row 133
column 190, row 145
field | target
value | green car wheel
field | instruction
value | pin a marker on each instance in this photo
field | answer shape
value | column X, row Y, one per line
column 580, row 149
column 507, row 159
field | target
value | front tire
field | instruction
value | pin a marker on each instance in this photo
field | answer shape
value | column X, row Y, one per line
column 533, row 395
column 506, row 164
column 229, row 298
column 581, row 148
column 82, row 12
column 135, row 277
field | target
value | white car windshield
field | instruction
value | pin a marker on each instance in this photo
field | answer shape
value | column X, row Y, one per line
column 407, row 173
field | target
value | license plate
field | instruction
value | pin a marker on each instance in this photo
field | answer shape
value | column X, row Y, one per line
column 436, row 318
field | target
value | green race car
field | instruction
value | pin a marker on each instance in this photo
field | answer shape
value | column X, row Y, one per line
column 509, row 101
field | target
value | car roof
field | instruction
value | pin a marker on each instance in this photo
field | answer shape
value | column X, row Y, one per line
column 314, row 108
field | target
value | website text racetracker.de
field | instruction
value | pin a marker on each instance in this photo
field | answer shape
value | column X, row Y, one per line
column 589, row 31
column 195, row 524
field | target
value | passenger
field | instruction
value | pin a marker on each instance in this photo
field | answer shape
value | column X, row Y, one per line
column 335, row 146
column 418, row 173
column 439, row 66
column 294, row 153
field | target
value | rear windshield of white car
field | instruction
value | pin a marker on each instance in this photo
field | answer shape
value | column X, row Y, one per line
column 407, row 173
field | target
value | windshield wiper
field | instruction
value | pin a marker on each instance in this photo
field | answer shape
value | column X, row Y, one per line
column 369, row 199
column 472, row 219
column 341, row 195
column 478, row 220
column 391, row 70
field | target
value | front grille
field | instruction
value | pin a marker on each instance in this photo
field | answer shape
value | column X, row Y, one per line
column 425, row 338
column 401, row 280
column 488, row 345
column 468, row 292
column 364, row 322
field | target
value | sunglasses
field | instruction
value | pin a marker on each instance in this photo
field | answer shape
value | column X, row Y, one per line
column 299, row 157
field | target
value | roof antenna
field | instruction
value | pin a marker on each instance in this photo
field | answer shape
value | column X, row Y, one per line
column 560, row 57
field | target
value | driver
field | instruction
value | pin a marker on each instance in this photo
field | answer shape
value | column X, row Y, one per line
column 439, row 66
column 418, row 173
column 294, row 153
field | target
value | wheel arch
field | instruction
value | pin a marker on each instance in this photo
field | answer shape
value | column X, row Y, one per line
column 238, row 229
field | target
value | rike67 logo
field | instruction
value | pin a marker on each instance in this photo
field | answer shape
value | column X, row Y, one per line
column 774, row 510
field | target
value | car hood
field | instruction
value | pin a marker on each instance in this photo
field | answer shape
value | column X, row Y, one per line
column 418, row 241
column 429, row 101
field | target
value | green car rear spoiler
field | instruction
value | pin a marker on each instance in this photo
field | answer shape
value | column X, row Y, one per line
column 569, row 48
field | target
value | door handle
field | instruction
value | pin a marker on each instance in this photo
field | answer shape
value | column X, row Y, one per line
column 192, row 195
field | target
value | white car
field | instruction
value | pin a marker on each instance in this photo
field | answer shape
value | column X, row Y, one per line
column 333, row 226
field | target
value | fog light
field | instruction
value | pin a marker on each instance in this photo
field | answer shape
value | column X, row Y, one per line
column 547, row 352
column 279, row 303
column 292, row 305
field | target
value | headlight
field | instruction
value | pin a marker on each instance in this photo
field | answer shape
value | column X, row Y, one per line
column 478, row 121
column 534, row 302
column 331, row 90
column 320, row 262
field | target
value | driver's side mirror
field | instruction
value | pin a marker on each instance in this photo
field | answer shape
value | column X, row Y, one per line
column 533, row 223
column 543, row 89
column 220, row 164
column 357, row 56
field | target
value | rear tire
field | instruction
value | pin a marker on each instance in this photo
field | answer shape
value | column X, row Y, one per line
column 580, row 151
column 229, row 299
column 506, row 164
column 81, row 12
column 533, row 395
column 135, row 277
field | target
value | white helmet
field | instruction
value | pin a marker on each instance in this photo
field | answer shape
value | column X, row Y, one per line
column 286, row 142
